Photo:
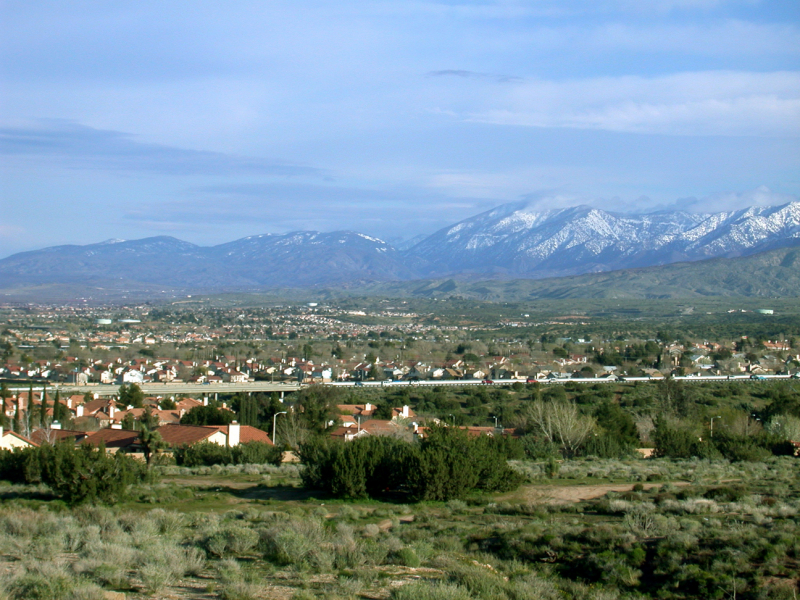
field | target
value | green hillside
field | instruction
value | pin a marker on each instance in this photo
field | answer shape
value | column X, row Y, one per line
column 769, row 274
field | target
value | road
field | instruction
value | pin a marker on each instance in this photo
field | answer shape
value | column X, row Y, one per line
column 168, row 389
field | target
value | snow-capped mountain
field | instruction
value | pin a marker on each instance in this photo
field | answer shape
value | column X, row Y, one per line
column 510, row 241
column 298, row 259
column 517, row 241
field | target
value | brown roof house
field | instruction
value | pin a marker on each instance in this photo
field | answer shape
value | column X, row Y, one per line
column 10, row 440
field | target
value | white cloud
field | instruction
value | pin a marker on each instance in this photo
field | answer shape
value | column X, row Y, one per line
column 704, row 103
column 725, row 201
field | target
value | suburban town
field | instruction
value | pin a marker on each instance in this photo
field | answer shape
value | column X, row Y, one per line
column 49, row 349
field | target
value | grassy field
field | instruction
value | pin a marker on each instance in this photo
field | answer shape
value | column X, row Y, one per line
column 582, row 529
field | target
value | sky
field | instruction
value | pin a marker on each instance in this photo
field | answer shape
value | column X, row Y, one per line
column 212, row 121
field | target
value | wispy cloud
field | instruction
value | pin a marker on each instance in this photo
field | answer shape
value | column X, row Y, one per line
column 706, row 103
column 72, row 145
column 473, row 75
column 726, row 201
column 280, row 207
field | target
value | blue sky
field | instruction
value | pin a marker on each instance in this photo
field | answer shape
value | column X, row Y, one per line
column 212, row 121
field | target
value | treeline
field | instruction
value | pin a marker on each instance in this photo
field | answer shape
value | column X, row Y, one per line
column 208, row 454
column 75, row 474
column 446, row 465
column 680, row 439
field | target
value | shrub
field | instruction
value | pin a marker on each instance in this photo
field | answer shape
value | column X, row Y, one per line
column 449, row 464
column 76, row 474
column 209, row 454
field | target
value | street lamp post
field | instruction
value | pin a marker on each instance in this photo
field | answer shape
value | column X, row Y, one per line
column 274, row 419
column 495, row 421
column 711, row 434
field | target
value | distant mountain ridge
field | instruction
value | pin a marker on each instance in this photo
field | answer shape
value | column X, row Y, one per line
column 513, row 240
column 508, row 242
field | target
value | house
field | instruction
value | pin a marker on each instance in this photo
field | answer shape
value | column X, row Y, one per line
column 361, row 410
column 490, row 431
column 53, row 435
column 10, row 440
column 179, row 435
column 224, row 435
column 114, row 440
column 402, row 413
column 452, row 374
column 165, row 417
column 373, row 427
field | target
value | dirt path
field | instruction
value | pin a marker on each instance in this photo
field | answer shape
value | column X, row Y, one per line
column 565, row 494
column 209, row 482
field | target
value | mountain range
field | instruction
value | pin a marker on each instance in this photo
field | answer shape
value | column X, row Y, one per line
column 512, row 241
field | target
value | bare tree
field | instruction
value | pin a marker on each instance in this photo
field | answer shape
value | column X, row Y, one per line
column 560, row 423
column 291, row 430
column 786, row 426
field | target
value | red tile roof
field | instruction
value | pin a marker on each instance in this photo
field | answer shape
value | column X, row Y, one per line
column 113, row 438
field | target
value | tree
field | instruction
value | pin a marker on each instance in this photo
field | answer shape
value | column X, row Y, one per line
column 130, row 395
column 43, row 407
column 75, row 473
column 5, row 394
column 60, row 412
column 291, row 430
column 151, row 442
column 375, row 372
column 207, row 415
column 148, row 420
column 318, row 407
column 17, row 417
column 617, row 423
column 559, row 422
column 128, row 422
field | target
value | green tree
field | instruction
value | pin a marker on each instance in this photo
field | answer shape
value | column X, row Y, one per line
column 148, row 420
column 248, row 410
column 130, row 395
column 75, row 473
column 151, row 442
column 5, row 394
column 60, row 412
column 318, row 405
column 17, row 417
column 43, row 407
column 207, row 415
column 128, row 422
column 617, row 423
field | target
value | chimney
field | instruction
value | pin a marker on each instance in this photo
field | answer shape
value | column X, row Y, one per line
column 69, row 402
column 233, row 434
column 55, row 425
column 367, row 407
column 405, row 411
column 111, row 409
column 79, row 410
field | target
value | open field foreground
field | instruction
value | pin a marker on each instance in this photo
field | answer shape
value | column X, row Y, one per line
column 587, row 528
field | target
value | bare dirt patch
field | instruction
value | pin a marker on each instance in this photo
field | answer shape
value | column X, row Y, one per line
column 555, row 494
